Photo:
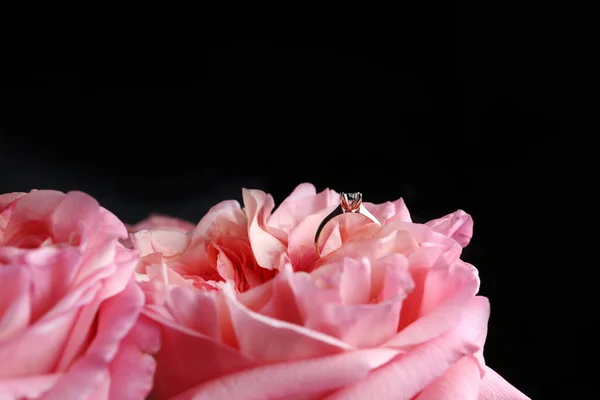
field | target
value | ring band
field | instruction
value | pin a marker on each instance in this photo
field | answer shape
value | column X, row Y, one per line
column 349, row 203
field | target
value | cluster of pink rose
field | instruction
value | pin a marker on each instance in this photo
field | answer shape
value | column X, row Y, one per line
column 238, row 306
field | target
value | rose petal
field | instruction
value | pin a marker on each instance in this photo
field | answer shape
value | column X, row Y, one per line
column 75, row 207
column 89, row 374
column 43, row 355
column 286, row 341
column 120, row 271
column 168, row 242
column 116, row 318
column 460, row 381
column 34, row 206
column 7, row 203
column 157, row 221
column 412, row 372
column 427, row 237
column 421, row 261
column 458, row 226
column 335, row 299
column 161, row 272
column 495, row 387
column 297, row 378
column 274, row 299
column 265, row 242
column 302, row 202
column 187, row 359
column 301, row 241
column 226, row 218
column 9, row 198
column 388, row 211
column 393, row 242
column 132, row 369
column 333, row 240
column 51, row 272
column 194, row 309
column 28, row 387
column 110, row 225
column 15, row 301
column 86, row 380
column 437, row 320
column 108, row 280
column 58, row 319
column 391, row 279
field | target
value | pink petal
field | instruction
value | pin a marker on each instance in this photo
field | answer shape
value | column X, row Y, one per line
column 286, row 341
column 96, row 282
column 106, row 281
column 31, row 350
column 29, row 387
column 86, row 380
column 195, row 310
column 36, row 206
column 297, row 378
column 335, row 299
column 8, row 198
column 90, row 372
column 333, row 240
column 116, row 318
column 301, row 241
column 393, row 242
column 268, row 249
column 55, row 314
column 421, row 261
column 495, row 387
column 182, row 359
column 162, row 273
column 443, row 281
column 355, row 281
column 388, row 212
column 15, row 301
column 301, row 203
column 132, row 370
column 274, row 299
column 426, row 236
column 187, row 359
column 458, row 226
column 52, row 271
column 110, row 225
column 410, row 373
column 460, row 381
column 439, row 320
column 391, row 279
column 226, row 218
column 75, row 207
column 168, row 242
column 156, row 221
column 120, row 271
column 82, row 305
column 7, row 203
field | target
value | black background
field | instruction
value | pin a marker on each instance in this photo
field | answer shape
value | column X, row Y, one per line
column 456, row 116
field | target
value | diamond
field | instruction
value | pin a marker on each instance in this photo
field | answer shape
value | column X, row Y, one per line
column 351, row 202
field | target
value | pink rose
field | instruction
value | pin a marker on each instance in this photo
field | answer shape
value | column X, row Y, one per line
column 68, row 304
column 248, row 311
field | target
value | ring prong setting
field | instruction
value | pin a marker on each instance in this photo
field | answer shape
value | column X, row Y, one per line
column 351, row 202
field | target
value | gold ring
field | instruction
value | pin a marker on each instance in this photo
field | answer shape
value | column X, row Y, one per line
column 349, row 203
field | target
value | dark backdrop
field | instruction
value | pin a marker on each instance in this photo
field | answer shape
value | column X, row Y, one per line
column 461, row 122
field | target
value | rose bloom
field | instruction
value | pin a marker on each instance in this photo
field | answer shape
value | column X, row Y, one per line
column 248, row 311
column 68, row 302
